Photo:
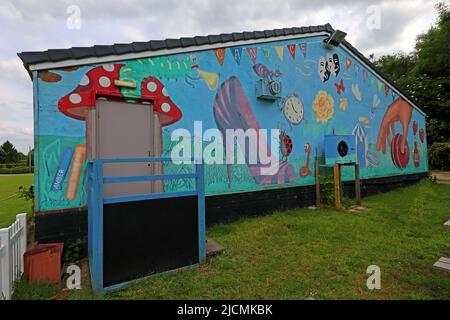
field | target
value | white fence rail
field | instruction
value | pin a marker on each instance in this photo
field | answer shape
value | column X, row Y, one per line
column 13, row 244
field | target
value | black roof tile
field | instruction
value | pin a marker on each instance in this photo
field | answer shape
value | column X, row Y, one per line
column 122, row 48
column 173, row 43
column 201, row 40
column 269, row 33
column 140, row 46
column 103, row 50
column 226, row 37
column 187, row 42
column 83, row 52
column 157, row 44
column 59, row 54
column 259, row 34
column 214, row 39
column 278, row 32
column 237, row 36
column 248, row 35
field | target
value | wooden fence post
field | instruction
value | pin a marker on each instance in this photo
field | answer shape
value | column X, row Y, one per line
column 337, row 186
column 316, row 164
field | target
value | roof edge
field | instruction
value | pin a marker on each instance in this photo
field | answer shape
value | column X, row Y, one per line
column 135, row 50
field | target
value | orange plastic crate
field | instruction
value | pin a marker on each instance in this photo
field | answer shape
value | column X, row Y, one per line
column 43, row 263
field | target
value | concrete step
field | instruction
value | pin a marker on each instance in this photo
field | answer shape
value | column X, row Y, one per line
column 447, row 224
column 213, row 248
column 443, row 264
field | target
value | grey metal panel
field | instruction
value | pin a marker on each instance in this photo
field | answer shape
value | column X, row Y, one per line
column 124, row 130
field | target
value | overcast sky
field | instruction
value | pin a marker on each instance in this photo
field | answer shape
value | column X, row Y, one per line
column 29, row 25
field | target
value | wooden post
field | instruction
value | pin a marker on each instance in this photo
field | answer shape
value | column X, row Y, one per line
column 357, row 185
column 316, row 164
column 337, row 186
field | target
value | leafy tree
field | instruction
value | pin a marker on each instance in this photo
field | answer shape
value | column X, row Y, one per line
column 425, row 74
column 432, row 47
column 9, row 153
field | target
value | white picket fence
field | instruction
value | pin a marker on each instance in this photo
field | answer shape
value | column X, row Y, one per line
column 13, row 244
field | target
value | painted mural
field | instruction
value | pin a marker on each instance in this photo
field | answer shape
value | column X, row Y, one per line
column 324, row 91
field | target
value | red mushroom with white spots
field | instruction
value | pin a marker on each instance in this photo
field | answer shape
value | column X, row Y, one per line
column 162, row 104
column 100, row 81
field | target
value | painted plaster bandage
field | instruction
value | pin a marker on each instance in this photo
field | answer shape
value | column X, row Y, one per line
column 75, row 172
column 63, row 167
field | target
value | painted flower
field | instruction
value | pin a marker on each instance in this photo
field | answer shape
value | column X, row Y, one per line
column 343, row 104
column 323, row 106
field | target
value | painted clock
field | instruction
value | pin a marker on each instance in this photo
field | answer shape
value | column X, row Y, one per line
column 293, row 109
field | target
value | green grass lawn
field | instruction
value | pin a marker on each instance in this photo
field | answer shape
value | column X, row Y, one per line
column 322, row 254
column 10, row 202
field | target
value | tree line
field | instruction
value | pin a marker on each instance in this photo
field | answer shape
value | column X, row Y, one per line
column 424, row 74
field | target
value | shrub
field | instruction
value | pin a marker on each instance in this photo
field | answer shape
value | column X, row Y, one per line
column 16, row 170
column 21, row 163
column 439, row 156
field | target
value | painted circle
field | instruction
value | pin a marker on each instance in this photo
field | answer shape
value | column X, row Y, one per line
column 108, row 67
column 75, row 98
column 164, row 92
column 165, row 107
column 152, row 86
column 104, row 82
column 84, row 81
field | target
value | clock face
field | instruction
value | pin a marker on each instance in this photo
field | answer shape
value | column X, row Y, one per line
column 293, row 110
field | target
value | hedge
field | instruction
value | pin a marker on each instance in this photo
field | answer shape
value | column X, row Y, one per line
column 439, row 156
column 16, row 170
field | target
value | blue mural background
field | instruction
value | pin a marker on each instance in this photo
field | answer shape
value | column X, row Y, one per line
column 192, row 81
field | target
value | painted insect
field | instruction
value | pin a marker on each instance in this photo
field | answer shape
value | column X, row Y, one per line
column 285, row 144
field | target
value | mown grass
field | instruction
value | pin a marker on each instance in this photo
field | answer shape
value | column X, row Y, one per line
column 10, row 202
column 322, row 254
column 35, row 291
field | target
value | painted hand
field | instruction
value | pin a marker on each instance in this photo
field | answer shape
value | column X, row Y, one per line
column 399, row 110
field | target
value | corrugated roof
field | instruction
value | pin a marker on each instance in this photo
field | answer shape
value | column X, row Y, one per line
column 57, row 55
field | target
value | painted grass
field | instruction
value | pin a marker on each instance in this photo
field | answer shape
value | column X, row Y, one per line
column 321, row 253
column 10, row 206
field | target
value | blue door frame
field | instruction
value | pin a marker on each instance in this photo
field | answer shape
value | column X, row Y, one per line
column 96, row 201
